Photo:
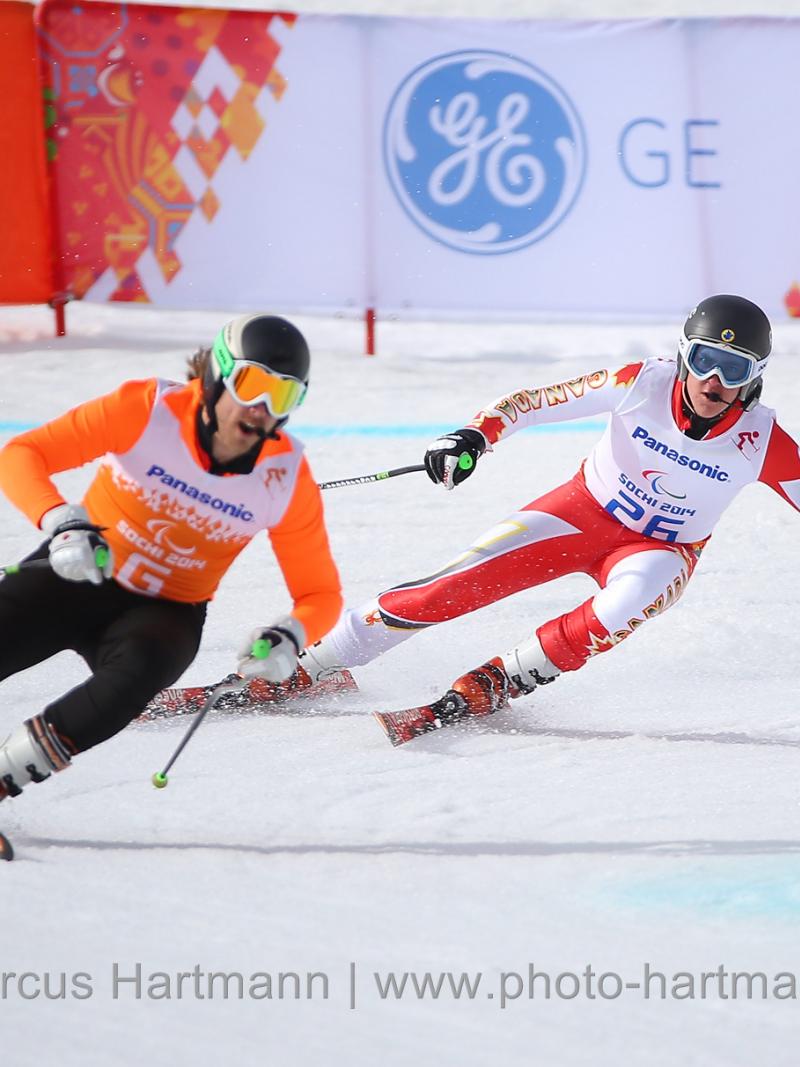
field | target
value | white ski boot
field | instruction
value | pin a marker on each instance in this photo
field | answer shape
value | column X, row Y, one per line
column 30, row 754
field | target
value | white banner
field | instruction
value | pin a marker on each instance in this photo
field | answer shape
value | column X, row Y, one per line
column 508, row 167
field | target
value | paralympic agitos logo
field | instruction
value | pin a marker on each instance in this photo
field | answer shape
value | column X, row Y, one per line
column 654, row 480
column 672, row 454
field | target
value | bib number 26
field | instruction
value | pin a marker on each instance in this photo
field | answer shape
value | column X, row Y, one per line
column 662, row 527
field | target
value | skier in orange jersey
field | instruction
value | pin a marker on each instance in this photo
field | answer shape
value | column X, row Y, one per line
column 189, row 475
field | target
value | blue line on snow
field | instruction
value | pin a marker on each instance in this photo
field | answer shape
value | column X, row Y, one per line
column 16, row 427
column 411, row 430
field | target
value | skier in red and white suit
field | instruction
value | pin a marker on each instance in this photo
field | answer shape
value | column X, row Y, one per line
column 677, row 449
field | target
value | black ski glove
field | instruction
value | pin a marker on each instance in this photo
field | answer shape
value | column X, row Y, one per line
column 452, row 458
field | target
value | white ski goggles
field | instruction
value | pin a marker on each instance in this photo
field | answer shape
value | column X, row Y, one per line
column 734, row 368
column 250, row 384
column 253, row 383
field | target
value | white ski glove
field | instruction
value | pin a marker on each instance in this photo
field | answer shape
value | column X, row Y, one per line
column 451, row 459
column 78, row 551
column 271, row 651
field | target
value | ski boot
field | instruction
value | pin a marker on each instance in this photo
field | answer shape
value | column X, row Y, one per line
column 31, row 753
column 481, row 691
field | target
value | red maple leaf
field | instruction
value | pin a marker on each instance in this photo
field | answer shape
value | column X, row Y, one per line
column 491, row 426
column 626, row 375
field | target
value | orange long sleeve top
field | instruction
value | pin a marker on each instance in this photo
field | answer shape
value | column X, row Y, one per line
column 175, row 528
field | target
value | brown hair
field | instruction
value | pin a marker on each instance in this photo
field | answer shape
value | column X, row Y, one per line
column 197, row 365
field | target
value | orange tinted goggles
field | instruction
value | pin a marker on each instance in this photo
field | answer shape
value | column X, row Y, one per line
column 251, row 384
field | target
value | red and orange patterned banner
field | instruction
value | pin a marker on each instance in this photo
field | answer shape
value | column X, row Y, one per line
column 145, row 104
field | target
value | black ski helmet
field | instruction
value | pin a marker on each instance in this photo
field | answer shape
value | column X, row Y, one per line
column 266, row 339
column 730, row 322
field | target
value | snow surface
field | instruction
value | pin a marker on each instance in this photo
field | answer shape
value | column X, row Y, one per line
column 643, row 810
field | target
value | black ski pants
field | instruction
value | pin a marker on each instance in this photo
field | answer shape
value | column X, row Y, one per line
column 134, row 645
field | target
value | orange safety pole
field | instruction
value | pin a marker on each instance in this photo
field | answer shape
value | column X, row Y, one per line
column 26, row 257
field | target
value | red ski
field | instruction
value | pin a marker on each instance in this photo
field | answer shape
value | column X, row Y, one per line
column 258, row 693
column 479, row 692
column 403, row 726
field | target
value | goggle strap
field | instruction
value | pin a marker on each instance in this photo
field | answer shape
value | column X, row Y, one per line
column 223, row 356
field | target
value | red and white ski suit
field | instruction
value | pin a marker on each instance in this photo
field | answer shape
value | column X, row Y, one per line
column 635, row 516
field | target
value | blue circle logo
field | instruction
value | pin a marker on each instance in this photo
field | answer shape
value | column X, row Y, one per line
column 485, row 152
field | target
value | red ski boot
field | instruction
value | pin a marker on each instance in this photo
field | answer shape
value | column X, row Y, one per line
column 481, row 691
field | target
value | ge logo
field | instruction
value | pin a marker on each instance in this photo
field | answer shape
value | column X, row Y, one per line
column 485, row 152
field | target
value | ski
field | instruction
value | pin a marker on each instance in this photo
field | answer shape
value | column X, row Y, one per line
column 481, row 691
column 403, row 726
column 6, row 848
column 257, row 694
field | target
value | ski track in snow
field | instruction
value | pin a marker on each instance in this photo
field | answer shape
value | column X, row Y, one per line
column 640, row 812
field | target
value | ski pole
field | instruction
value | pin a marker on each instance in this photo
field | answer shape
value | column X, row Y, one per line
column 101, row 556
column 160, row 779
column 465, row 461
column 26, row 565
column 259, row 650
column 381, row 476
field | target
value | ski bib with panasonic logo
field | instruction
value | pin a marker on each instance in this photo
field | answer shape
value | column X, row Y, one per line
column 653, row 479
column 175, row 528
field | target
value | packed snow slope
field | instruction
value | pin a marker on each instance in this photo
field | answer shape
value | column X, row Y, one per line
column 641, row 813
